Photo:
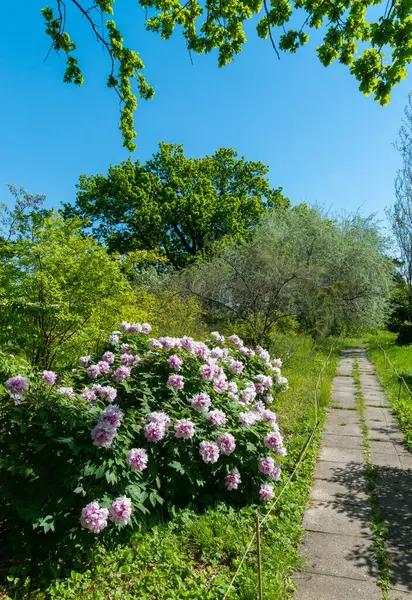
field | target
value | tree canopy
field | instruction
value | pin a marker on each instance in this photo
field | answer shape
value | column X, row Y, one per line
column 327, row 274
column 182, row 206
column 372, row 38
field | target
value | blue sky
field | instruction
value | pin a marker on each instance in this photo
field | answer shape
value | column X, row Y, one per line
column 325, row 143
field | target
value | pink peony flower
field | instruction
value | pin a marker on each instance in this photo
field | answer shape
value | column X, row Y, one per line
column 102, row 436
column 89, row 395
column 93, row 371
column 146, row 328
column 236, row 367
column 201, row 402
column 155, row 344
column 209, row 452
column 226, row 443
column 137, row 459
column 17, row 386
column 93, row 517
column 107, row 392
column 124, row 326
column 84, row 360
column 268, row 398
column 263, row 354
column 274, row 441
column 134, row 328
column 217, row 353
column 176, row 382
column 112, row 415
column 275, row 473
column 109, row 357
column 207, row 372
column 232, row 481
column 235, row 341
column 104, row 366
column 219, row 337
column 154, row 431
column 266, row 492
column 159, row 417
column 266, row 465
column 247, row 351
column 127, row 359
column 114, row 338
column 201, row 350
column 188, row 343
column 121, row 510
column 125, row 348
column 233, row 397
column 248, row 418
column 49, row 377
column 220, row 385
column 184, row 429
column 175, row 362
column 217, row 417
column 67, row 392
column 277, row 363
column 269, row 417
column 121, row 373
column 232, row 387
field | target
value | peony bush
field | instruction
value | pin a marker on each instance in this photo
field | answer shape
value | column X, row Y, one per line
column 148, row 426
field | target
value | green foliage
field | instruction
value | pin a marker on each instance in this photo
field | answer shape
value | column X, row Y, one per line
column 385, row 40
column 53, row 281
column 176, row 206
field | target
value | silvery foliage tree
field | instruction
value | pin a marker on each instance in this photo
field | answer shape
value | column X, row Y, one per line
column 401, row 213
column 328, row 274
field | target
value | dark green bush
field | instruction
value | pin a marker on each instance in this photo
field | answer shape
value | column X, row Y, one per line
column 405, row 334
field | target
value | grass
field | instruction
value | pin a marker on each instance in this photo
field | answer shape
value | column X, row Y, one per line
column 388, row 358
column 195, row 556
column 378, row 525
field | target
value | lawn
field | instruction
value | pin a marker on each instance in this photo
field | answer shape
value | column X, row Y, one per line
column 196, row 555
column 394, row 368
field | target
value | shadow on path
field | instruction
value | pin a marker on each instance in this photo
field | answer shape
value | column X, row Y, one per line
column 394, row 496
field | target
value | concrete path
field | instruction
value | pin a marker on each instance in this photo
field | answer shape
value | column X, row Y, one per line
column 338, row 547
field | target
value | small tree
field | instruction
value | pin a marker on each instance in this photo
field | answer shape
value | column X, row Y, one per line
column 54, row 282
column 401, row 213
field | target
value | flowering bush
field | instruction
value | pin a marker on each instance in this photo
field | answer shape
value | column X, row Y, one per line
column 150, row 422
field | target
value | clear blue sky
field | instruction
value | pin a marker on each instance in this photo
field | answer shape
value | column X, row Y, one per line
column 325, row 143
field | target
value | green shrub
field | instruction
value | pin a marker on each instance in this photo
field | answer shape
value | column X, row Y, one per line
column 63, row 448
column 405, row 334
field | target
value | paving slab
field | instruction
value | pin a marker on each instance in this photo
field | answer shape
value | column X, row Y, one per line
column 398, row 595
column 339, row 454
column 321, row 549
column 349, row 516
column 386, row 447
column 313, row 586
column 342, row 441
column 331, row 491
column 351, row 473
column 386, row 460
column 339, row 428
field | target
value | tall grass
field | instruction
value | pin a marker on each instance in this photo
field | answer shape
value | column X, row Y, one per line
column 390, row 361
